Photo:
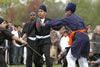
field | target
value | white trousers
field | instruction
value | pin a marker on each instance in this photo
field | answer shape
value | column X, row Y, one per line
column 25, row 54
column 72, row 60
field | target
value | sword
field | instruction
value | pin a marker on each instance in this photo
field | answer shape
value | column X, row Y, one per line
column 34, row 50
column 96, row 42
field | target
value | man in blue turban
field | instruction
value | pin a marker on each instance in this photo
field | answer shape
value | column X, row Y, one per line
column 1, row 20
column 43, row 7
column 71, row 6
column 79, row 40
column 43, row 38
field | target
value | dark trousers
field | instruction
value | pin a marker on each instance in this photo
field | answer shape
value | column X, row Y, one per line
column 43, row 49
column 30, row 53
column 2, row 61
column 64, row 64
column 10, row 51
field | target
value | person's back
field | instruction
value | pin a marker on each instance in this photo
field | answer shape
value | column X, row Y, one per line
column 3, row 35
column 74, row 22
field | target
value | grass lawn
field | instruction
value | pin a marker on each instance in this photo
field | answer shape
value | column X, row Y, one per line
column 58, row 65
column 33, row 65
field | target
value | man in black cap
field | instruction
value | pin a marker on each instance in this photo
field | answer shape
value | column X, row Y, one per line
column 29, row 33
column 43, row 39
column 5, row 34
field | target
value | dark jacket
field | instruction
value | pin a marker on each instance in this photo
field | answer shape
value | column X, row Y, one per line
column 80, row 44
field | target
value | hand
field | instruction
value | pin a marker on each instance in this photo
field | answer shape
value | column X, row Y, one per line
column 21, row 39
column 59, row 56
column 53, row 43
column 42, row 24
column 6, row 47
column 93, row 62
column 24, row 42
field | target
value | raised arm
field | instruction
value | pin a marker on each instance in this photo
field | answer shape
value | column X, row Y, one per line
column 56, row 22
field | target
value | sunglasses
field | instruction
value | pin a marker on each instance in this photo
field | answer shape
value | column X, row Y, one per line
column 32, row 15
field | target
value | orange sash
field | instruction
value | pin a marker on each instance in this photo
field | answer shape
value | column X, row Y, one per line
column 72, row 34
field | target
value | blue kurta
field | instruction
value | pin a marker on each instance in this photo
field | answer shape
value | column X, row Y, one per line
column 80, row 43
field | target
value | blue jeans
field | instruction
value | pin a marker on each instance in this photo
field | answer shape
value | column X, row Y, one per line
column 17, row 55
